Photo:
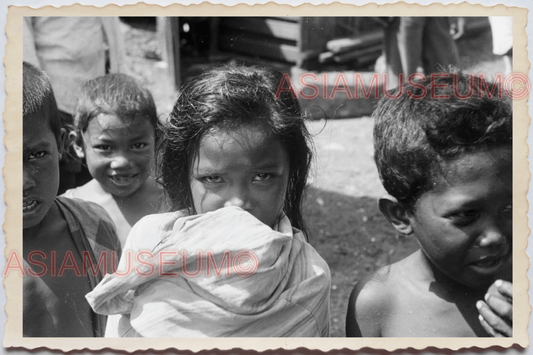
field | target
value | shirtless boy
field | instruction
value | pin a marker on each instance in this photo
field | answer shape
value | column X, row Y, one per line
column 447, row 166
column 67, row 244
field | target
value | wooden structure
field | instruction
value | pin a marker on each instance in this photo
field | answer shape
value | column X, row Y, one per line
column 308, row 43
column 289, row 39
column 169, row 42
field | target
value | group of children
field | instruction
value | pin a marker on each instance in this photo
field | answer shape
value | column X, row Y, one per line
column 194, row 227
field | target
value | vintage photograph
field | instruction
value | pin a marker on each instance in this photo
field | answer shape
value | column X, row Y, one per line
column 306, row 177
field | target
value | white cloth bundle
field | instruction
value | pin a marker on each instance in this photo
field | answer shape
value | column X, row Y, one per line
column 260, row 281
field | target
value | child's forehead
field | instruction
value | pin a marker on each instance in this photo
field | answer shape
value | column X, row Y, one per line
column 469, row 166
column 37, row 121
column 112, row 121
column 37, row 133
column 486, row 157
column 256, row 133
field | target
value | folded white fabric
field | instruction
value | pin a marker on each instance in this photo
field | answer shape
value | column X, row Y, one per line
column 227, row 274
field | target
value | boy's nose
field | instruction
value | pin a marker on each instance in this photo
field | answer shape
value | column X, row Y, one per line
column 120, row 161
column 28, row 180
column 493, row 236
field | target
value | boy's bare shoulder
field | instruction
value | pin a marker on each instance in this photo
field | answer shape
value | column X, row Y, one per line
column 91, row 191
column 96, row 223
column 83, row 208
column 372, row 299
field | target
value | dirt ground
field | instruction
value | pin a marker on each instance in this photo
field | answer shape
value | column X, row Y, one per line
column 341, row 211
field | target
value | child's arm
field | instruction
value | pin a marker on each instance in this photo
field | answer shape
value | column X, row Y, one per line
column 364, row 309
column 496, row 313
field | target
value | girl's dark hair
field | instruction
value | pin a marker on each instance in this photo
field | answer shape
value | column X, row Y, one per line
column 230, row 97
column 115, row 94
column 436, row 121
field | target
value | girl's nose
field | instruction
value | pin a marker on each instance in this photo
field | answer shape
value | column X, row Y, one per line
column 235, row 201
column 240, row 198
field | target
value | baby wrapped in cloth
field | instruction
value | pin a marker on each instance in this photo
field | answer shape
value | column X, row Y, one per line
column 236, row 277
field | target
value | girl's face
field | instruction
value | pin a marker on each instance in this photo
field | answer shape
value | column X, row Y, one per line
column 245, row 167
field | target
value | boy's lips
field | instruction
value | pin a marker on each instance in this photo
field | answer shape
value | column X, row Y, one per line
column 29, row 206
column 488, row 264
column 123, row 179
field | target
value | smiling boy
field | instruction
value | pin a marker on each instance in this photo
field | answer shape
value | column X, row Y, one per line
column 62, row 238
column 116, row 122
column 447, row 166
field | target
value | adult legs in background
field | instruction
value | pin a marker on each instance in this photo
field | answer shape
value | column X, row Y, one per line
column 410, row 44
column 391, row 53
column 426, row 42
column 440, row 50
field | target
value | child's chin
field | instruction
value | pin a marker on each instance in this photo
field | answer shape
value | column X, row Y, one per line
column 33, row 216
column 30, row 222
column 123, row 190
column 482, row 281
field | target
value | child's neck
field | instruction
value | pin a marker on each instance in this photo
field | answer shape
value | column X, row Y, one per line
column 52, row 217
column 144, row 193
column 146, row 200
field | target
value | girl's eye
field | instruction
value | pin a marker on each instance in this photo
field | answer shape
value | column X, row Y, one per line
column 212, row 179
column 37, row 155
column 263, row 177
column 139, row 145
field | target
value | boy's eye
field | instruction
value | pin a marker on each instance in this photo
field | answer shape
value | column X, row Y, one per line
column 103, row 147
column 464, row 217
column 212, row 179
column 508, row 211
column 263, row 177
column 36, row 155
column 139, row 145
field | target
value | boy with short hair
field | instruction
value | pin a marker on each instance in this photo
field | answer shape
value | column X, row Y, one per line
column 68, row 245
column 444, row 154
column 116, row 122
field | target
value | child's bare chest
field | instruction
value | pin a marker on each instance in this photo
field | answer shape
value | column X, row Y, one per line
column 54, row 287
column 56, row 307
column 431, row 315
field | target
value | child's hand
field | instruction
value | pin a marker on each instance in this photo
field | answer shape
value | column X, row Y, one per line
column 496, row 313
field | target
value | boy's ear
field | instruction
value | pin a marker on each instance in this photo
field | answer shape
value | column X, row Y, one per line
column 77, row 143
column 396, row 214
column 62, row 143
